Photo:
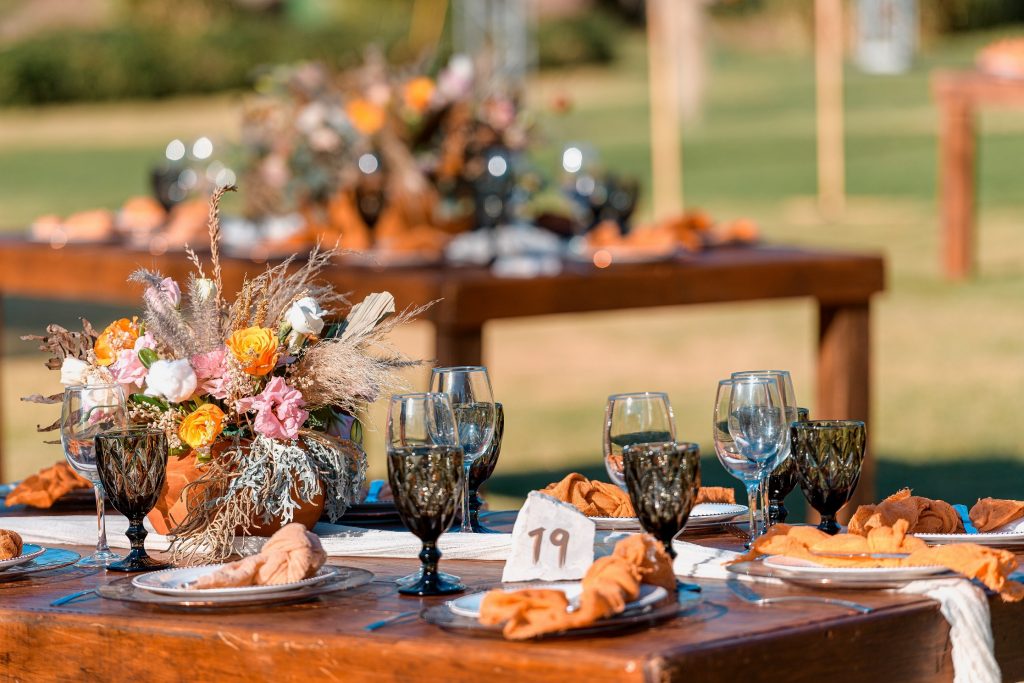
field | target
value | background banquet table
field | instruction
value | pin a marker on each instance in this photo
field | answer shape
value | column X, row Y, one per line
column 840, row 283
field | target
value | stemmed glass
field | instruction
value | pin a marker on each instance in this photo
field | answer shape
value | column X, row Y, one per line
column 662, row 480
column 789, row 401
column 426, row 472
column 482, row 469
column 783, row 479
column 644, row 417
column 728, row 452
column 758, row 424
column 132, row 467
column 89, row 410
column 829, row 455
column 472, row 401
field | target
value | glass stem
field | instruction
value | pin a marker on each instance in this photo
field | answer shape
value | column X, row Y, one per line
column 765, row 506
column 752, row 495
column 467, row 526
column 101, row 520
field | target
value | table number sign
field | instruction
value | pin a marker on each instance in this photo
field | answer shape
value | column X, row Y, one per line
column 551, row 541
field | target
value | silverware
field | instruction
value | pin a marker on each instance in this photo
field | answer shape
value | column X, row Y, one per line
column 72, row 597
column 748, row 594
column 387, row 621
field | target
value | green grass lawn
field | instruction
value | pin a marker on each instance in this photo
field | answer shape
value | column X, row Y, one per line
column 948, row 367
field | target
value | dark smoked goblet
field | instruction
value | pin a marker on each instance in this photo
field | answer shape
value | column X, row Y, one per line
column 132, row 466
column 427, row 485
column 783, row 480
column 481, row 471
column 829, row 455
column 662, row 480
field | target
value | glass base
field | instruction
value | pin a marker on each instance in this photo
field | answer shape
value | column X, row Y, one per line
column 101, row 559
column 423, row 587
column 134, row 563
column 417, row 576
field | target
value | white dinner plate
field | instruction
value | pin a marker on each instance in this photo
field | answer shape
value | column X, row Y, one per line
column 792, row 566
column 616, row 523
column 702, row 515
column 469, row 605
column 29, row 551
column 992, row 538
column 176, row 582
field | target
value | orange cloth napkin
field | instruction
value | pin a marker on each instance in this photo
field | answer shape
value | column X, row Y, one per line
column 989, row 565
column 991, row 513
column 292, row 554
column 924, row 515
column 43, row 489
column 609, row 584
column 598, row 499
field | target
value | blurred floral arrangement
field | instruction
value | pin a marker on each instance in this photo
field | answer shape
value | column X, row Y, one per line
column 253, row 394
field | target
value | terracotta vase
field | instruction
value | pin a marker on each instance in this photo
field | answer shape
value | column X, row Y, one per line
column 172, row 507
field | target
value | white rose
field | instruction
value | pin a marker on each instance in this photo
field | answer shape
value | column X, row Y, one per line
column 72, row 371
column 174, row 380
column 305, row 316
column 206, row 288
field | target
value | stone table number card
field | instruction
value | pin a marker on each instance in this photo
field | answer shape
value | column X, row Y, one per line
column 551, row 541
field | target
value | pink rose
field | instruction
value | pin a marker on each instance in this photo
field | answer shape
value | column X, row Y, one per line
column 170, row 290
column 279, row 413
column 128, row 369
column 211, row 371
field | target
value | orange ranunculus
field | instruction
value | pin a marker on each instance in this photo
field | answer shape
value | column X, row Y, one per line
column 366, row 117
column 119, row 335
column 202, row 426
column 255, row 348
column 417, row 94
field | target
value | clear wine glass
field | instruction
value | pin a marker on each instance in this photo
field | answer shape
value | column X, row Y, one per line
column 644, row 417
column 469, row 389
column 729, row 453
column 758, row 424
column 90, row 410
column 789, row 400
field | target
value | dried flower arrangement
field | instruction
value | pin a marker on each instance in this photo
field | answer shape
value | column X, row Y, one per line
column 253, row 390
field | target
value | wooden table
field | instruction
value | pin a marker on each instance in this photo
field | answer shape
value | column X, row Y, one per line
column 905, row 639
column 959, row 94
column 842, row 285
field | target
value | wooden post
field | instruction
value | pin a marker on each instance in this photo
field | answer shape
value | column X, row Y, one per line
column 828, row 72
column 663, row 75
column 956, row 185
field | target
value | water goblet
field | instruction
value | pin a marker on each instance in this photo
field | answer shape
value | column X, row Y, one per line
column 482, row 469
column 643, row 417
column 829, row 455
column 469, row 389
column 132, row 466
column 426, row 481
column 729, row 454
column 89, row 410
column 783, row 480
column 662, row 480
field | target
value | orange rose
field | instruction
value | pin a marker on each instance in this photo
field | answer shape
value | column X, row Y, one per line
column 417, row 94
column 203, row 426
column 119, row 335
column 255, row 348
column 366, row 117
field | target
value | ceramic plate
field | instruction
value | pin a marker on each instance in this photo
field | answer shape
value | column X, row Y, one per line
column 714, row 513
column 29, row 552
column 616, row 523
column 790, row 566
column 469, row 605
column 175, row 582
column 996, row 538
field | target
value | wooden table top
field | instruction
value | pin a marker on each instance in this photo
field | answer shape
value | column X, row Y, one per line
column 906, row 639
column 473, row 295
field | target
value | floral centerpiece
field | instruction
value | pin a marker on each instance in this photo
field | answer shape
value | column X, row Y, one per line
column 253, row 394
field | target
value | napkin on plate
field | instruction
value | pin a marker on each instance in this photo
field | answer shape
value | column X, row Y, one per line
column 610, row 583
column 292, row 554
column 43, row 489
column 993, row 514
column 923, row 515
column 598, row 499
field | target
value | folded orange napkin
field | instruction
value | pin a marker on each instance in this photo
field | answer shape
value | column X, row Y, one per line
column 991, row 513
column 991, row 566
column 609, row 584
column 10, row 544
column 597, row 499
column 924, row 515
column 43, row 489
column 292, row 554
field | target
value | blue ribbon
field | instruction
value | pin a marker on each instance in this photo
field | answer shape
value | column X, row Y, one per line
column 965, row 517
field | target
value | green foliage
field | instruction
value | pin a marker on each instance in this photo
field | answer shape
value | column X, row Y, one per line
column 587, row 38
